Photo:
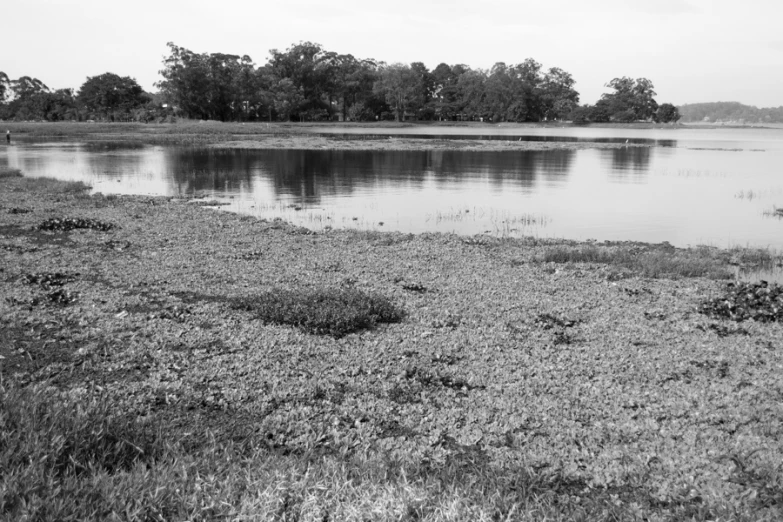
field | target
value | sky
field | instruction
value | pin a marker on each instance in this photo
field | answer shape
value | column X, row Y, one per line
column 692, row 50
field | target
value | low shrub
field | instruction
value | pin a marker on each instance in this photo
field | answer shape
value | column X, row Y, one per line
column 335, row 312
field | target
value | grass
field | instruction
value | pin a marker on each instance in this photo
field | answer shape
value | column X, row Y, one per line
column 53, row 186
column 499, row 415
column 335, row 312
column 661, row 262
column 8, row 172
column 64, row 460
column 665, row 261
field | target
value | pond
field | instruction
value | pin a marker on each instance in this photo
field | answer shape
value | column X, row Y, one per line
column 719, row 187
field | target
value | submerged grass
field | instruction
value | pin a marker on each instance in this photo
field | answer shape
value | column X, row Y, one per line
column 335, row 312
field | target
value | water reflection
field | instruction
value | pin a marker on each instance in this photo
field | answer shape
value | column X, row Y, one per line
column 309, row 176
column 629, row 164
column 684, row 194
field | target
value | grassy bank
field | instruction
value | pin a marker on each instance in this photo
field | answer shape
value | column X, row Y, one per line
column 358, row 136
column 163, row 361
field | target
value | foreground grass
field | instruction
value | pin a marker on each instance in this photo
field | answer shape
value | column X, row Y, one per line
column 526, row 380
column 66, row 460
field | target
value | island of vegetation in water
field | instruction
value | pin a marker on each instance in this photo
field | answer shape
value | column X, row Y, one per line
column 164, row 361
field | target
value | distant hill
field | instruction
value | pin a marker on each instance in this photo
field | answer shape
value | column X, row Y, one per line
column 729, row 112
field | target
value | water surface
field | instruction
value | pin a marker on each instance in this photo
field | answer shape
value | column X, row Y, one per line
column 717, row 187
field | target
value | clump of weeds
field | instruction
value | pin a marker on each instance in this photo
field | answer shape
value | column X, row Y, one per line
column 336, row 312
column 656, row 261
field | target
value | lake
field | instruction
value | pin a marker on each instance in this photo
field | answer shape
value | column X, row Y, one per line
column 718, row 187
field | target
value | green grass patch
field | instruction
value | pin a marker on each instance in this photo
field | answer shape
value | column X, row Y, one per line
column 335, row 312
column 8, row 172
column 647, row 261
column 51, row 185
column 63, row 460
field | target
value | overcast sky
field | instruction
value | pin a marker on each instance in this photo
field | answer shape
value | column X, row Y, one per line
column 692, row 50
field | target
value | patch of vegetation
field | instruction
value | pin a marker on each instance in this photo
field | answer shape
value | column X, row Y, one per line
column 653, row 261
column 64, row 460
column 68, row 224
column 758, row 301
column 48, row 279
column 335, row 312
column 55, row 186
column 8, row 172
column 51, row 448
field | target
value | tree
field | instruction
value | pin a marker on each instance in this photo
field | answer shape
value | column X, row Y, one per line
column 5, row 86
column 471, row 93
column 400, row 87
column 27, row 98
column 425, row 86
column 444, row 92
column 216, row 86
column 632, row 99
column 110, row 94
column 288, row 98
column 558, row 95
column 310, row 69
column 667, row 113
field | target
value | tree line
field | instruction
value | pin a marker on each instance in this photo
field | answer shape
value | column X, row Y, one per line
column 730, row 112
column 308, row 83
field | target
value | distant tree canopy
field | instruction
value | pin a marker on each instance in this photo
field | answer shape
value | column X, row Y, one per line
column 632, row 100
column 308, row 83
column 734, row 112
column 107, row 96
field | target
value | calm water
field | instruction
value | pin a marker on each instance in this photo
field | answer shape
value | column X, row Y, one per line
column 694, row 186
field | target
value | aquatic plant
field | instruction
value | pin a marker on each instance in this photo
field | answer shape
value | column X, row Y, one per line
column 758, row 301
column 336, row 312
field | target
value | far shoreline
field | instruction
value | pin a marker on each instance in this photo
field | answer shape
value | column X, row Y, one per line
column 397, row 136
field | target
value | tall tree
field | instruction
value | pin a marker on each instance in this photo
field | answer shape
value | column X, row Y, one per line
column 5, row 86
column 632, row 99
column 307, row 65
column 109, row 94
column 400, row 86
column 558, row 95
column 667, row 113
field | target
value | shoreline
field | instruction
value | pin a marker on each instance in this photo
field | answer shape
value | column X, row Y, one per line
column 348, row 136
column 506, row 355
